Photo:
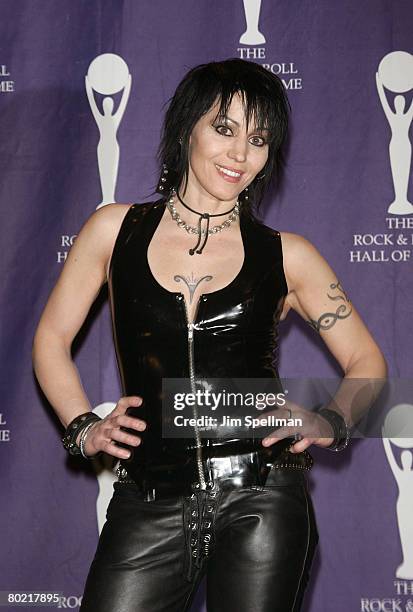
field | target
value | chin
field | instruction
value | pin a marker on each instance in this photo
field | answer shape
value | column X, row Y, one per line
column 227, row 193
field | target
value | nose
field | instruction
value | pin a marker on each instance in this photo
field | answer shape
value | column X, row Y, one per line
column 238, row 149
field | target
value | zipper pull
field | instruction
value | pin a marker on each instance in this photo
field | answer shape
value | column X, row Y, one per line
column 190, row 330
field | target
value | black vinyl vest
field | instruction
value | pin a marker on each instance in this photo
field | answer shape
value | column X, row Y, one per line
column 235, row 331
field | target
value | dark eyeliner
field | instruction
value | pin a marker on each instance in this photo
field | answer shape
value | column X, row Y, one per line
column 219, row 125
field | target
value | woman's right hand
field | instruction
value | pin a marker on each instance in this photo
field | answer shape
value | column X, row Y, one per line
column 102, row 434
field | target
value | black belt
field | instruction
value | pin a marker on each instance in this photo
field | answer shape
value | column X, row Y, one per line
column 228, row 471
column 216, row 447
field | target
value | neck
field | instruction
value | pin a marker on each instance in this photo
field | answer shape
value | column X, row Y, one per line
column 201, row 204
column 203, row 228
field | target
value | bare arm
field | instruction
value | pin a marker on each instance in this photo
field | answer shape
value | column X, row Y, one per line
column 79, row 283
column 317, row 295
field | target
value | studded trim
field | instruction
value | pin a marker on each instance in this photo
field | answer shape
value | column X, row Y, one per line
column 300, row 461
column 199, row 521
column 123, row 476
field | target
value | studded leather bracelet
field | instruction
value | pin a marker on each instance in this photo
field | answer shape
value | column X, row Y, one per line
column 74, row 428
column 340, row 429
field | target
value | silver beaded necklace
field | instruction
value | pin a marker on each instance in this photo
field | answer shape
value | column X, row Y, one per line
column 190, row 229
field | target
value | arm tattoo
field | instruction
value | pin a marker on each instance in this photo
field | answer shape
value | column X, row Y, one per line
column 191, row 282
column 327, row 319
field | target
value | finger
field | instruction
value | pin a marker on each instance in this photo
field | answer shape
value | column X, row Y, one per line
column 299, row 417
column 301, row 445
column 287, row 410
column 128, row 421
column 279, row 434
column 116, row 451
column 121, row 436
column 125, row 402
column 283, row 412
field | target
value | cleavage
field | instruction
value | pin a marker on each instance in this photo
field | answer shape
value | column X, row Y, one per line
column 175, row 270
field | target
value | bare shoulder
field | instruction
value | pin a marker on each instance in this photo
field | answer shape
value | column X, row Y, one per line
column 300, row 257
column 295, row 244
column 102, row 229
column 114, row 220
column 108, row 218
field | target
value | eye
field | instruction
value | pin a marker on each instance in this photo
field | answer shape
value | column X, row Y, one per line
column 262, row 142
column 219, row 127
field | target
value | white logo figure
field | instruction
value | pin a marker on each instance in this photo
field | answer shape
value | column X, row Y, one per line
column 108, row 74
column 396, row 73
column 399, row 422
column 105, row 467
column 252, row 35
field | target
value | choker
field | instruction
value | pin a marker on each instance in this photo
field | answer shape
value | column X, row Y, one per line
column 233, row 212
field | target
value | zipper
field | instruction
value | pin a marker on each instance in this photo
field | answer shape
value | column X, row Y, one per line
column 190, row 328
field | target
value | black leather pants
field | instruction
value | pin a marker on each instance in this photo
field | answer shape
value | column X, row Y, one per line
column 255, row 544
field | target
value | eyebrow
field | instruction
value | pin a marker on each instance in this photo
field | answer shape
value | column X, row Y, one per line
column 226, row 118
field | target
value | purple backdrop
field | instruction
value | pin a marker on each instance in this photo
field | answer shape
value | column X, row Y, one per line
column 340, row 181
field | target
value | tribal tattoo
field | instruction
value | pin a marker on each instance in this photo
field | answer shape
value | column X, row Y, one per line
column 191, row 282
column 327, row 319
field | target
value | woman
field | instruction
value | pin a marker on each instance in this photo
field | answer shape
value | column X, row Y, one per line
column 192, row 301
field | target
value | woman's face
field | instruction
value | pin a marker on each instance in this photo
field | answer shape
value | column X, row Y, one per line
column 223, row 157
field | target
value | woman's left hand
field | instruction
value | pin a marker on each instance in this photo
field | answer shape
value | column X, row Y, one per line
column 314, row 429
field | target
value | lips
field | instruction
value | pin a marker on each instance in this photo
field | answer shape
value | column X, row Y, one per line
column 229, row 178
column 240, row 172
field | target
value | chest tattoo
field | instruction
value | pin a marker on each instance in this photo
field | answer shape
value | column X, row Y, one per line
column 191, row 282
